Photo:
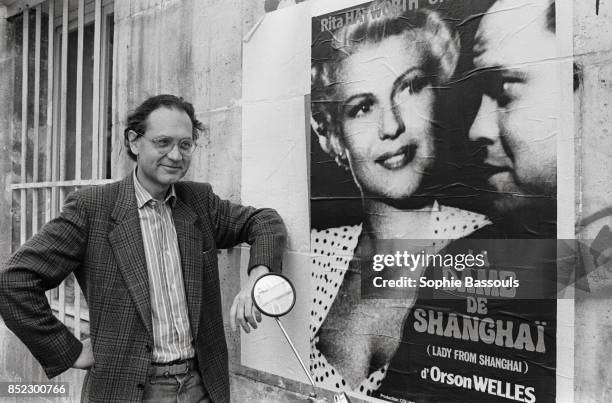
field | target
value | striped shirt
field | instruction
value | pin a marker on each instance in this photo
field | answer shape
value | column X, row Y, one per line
column 171, row 331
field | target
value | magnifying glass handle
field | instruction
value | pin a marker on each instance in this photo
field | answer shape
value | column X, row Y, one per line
column 295, row 352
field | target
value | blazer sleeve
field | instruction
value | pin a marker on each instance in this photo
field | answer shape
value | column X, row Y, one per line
column 39, row 265
column 262, row 228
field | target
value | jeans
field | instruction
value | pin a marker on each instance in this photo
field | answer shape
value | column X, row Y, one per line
column 184, row 388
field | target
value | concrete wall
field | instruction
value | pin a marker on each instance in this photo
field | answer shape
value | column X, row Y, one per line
column 593, row 104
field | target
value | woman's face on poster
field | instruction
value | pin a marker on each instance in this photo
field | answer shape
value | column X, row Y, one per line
column 387, row 116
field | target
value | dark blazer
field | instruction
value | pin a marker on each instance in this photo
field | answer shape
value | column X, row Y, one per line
column 97, row 236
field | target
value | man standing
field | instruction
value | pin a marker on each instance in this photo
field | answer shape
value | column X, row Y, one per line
column 144, row 251
column 515, row 128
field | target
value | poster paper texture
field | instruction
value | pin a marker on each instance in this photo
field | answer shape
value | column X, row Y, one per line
column 434, row 133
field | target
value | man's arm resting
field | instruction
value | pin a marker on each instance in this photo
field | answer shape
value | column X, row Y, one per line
column 263, row 229
column 243, row 312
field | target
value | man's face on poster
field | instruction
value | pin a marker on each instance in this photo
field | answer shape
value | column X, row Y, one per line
column 516, row 124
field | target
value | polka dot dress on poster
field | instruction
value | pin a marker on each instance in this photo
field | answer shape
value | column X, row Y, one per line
column 332, row 251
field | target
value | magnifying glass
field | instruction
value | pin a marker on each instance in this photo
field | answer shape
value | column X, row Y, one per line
column 274, row 296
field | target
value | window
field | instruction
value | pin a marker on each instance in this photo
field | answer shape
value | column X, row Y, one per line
column 61, row 127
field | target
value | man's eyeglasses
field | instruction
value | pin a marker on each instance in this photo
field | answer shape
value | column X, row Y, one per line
column 166, row 144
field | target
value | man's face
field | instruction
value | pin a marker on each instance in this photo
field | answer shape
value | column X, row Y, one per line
column 158, row 170
column 517, row 119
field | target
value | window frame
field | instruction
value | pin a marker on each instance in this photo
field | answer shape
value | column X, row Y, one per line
column 53, row 183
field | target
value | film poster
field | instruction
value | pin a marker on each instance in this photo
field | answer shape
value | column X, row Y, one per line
column 433, row 158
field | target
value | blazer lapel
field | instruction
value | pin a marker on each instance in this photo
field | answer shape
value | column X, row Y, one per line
column 190, row 245
column 126, row 241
